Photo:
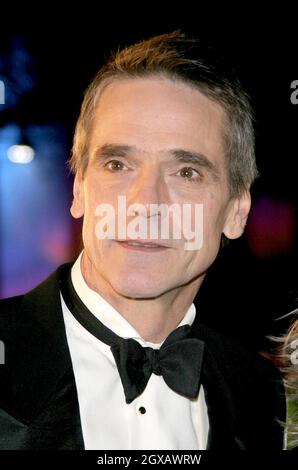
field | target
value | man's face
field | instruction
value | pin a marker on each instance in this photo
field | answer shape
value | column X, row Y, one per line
column 156, row 141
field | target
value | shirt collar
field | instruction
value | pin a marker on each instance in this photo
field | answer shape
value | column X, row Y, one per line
column 107, row 314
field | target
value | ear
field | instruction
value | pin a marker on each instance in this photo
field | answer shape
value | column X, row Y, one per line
column 77, row 206
column 237, row 215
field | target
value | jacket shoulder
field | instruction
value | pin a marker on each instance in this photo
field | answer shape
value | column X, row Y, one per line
column 10, row 309
column 10, row 305
column 255, row 386
column 234, row 358
column 15, row 310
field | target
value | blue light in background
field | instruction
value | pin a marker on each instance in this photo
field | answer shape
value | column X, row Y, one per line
column 22, row 154
column 36, row 227
column 17, row 73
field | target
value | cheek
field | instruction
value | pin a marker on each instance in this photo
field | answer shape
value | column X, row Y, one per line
column 214, row 209
column 97, row 191
column 210, row 242
column 207, row 223
column 212, row 223
column 91, row 201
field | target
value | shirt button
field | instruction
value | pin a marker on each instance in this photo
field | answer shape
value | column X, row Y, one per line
column 142, row 410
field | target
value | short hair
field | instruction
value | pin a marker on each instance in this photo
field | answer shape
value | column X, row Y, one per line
column 188, row 60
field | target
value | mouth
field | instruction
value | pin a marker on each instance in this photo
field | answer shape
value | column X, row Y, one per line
column 141, row 246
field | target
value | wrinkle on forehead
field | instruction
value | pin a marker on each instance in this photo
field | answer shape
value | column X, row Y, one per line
column 157, row 113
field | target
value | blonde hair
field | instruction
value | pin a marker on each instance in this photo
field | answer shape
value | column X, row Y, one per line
column 183, row 59
column 287, row 360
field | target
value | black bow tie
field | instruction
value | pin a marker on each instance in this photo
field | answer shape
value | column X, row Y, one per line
column 179, row 360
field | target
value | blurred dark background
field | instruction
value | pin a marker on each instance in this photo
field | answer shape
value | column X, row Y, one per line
column 45, row 67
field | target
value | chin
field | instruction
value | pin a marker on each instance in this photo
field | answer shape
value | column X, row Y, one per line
column 139, row 288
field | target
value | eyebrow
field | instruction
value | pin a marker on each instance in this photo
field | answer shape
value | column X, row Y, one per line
column 114, row 150
column 180, row 155
column 196, row 158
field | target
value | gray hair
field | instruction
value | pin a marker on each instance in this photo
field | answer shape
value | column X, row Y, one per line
column 187, row 60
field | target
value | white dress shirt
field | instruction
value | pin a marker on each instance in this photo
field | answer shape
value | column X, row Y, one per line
column 158, row 419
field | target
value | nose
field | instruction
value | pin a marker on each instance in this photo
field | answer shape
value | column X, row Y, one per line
column 148, row 189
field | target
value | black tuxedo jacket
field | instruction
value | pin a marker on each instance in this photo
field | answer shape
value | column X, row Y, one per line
column 38, row 397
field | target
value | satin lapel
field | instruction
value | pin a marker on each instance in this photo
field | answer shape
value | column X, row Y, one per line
column 221, row 410
column 44, row 385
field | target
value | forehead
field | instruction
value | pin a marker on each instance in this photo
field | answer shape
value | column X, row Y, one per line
column 157, row 114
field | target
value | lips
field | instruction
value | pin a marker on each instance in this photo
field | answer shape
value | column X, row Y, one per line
column 136, row 243
column 141, row 245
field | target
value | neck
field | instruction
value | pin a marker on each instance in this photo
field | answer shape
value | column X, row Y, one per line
column 160, row 315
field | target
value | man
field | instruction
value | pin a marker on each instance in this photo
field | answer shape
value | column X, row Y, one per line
column 108, row 353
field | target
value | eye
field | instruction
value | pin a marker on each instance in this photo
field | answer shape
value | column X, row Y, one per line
column 114, row 165
column 189, row 173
